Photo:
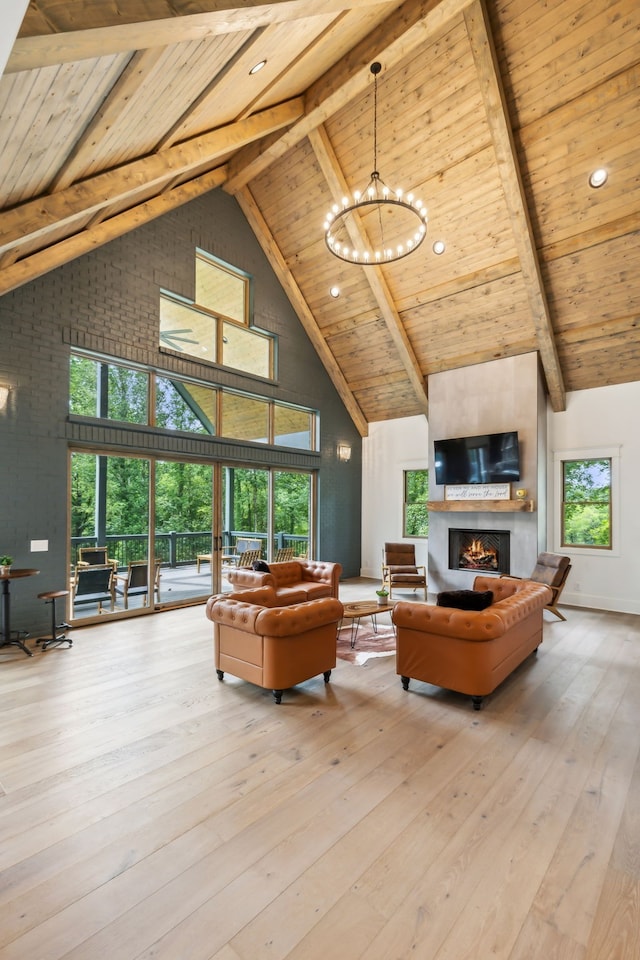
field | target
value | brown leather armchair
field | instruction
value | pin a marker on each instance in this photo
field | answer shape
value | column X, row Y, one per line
column 399, row 569
column 274, row 647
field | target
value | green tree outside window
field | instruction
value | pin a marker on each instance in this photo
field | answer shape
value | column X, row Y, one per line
column 416, row 494
column 586, row 503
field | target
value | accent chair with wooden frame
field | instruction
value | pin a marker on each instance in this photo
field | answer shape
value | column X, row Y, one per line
column 552, row 569
column 399, row 569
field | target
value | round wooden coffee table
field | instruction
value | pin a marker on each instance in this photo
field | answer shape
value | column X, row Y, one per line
column 364, row 608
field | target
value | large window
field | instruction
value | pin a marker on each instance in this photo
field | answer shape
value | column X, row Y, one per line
column 416, row 494
column 245, row 418
column 587, row 500
column 185, row 406
column 586, row 503
column 108, row 390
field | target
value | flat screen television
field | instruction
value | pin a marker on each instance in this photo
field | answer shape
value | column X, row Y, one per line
column 490, row 458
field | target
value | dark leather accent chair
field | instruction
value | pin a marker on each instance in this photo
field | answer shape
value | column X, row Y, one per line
column 552, row 569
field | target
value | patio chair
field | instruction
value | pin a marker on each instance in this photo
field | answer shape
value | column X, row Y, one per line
column 94, row 584
column 247, row 558
column 285, row 553
column 399, row 569
column 95, row 556
column 135, row 582
column 203, row 558
column 244, row 543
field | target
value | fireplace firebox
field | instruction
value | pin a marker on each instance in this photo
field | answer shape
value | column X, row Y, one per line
column 483, row 551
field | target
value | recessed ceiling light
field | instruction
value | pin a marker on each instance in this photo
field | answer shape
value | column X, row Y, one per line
column 335, row 292
column 258, row 66
column 439, row 247
column 598, row 177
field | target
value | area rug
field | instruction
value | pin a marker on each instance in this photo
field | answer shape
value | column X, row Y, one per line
column 368, row 644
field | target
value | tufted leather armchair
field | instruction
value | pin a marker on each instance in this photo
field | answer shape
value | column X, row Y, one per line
column 273, row 646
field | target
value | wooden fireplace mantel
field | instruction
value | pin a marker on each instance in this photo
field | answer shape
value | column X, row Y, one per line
column 481, row 506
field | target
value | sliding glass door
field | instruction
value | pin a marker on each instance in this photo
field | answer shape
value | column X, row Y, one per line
column 148, row 533
column 292, row 511
column 109, row 514
column 183, row 529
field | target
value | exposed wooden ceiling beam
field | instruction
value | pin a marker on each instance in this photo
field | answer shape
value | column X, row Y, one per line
column 36, row 218
column 490, row 84
column 299, row 304
column 410, row 25
column 45, row 41
column 56, row 255
column 374, row 275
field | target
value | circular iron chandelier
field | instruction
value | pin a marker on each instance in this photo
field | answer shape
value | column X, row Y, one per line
column 380, row 225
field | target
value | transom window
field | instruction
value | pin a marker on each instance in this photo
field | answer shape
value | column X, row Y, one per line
column 215, row 328
column 222, row 289
column 102, row 389
column 108, row 390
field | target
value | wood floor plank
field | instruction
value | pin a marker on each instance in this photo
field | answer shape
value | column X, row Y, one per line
column 149, row 811
column 538, row 938
column 616, row 929
column 568, row 896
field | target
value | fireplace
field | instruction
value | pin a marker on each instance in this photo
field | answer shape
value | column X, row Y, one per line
column 482, row 551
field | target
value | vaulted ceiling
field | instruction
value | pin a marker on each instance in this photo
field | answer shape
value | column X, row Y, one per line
column 494, row 112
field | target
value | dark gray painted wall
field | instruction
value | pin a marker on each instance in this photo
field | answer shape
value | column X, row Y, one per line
column 108, row 301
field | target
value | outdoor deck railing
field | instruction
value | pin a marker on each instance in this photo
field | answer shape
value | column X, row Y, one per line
column 174, row 549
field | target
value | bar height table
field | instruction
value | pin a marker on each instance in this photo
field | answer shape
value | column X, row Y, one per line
column 6, row 638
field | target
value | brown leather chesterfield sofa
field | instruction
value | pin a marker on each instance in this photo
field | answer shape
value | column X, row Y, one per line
column 273, row 646
column 470, row 651
column 293, row 580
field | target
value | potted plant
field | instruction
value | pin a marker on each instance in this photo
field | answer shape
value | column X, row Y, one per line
column 383, row 596
column 5, row 563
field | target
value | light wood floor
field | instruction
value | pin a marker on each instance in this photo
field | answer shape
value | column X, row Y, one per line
column 149, row 811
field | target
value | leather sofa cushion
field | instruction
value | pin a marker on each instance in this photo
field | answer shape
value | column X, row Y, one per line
column 466, row 599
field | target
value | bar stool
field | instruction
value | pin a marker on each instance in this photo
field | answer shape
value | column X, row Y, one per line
column 50, row 596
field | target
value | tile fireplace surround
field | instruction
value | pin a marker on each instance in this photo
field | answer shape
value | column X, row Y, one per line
column 490, row 397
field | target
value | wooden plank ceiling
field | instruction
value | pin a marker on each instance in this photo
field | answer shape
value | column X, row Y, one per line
column 495, row 112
